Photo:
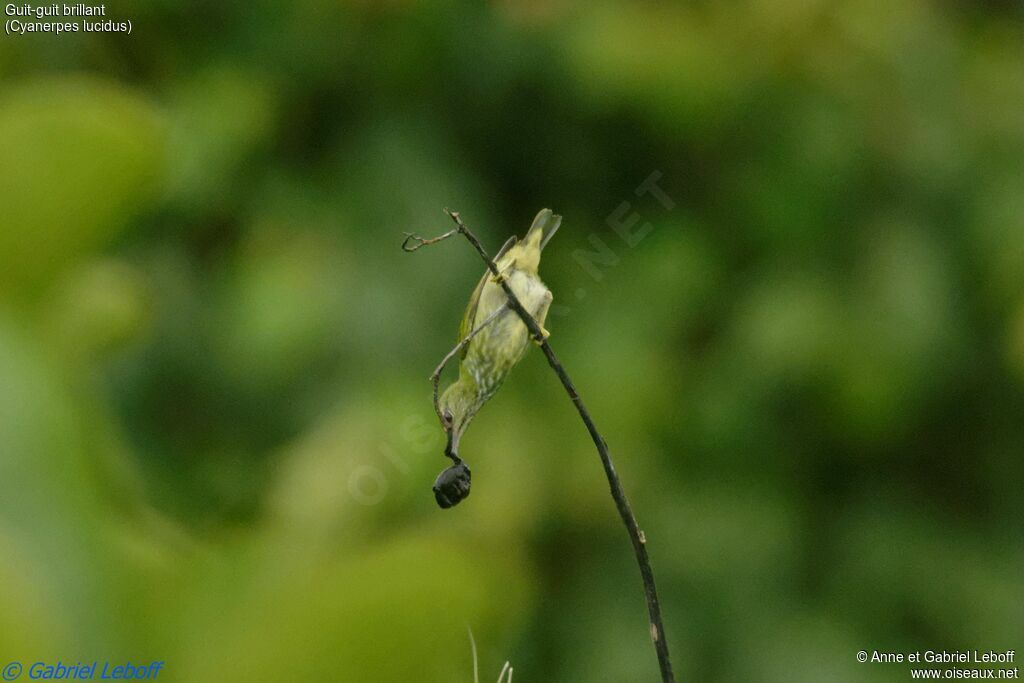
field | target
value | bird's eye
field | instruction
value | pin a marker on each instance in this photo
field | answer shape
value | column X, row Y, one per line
column 447, row 416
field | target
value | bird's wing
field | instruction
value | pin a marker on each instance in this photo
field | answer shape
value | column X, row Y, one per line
column 469, row 318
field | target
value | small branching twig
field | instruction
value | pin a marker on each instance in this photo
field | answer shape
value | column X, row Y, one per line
column 636, row 535
column 416, row 241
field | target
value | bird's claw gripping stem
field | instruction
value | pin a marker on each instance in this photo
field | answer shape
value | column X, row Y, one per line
column 500, row 277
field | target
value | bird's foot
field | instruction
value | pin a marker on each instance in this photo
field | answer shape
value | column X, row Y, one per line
column 500, row 277
column 544, row 334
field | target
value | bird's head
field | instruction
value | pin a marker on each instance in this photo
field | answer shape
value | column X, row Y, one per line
column 458, row 405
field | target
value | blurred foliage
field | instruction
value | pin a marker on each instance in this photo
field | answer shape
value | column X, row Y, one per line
column 218, row 438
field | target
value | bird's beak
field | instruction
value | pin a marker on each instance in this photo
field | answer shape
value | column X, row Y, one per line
column 452, row 448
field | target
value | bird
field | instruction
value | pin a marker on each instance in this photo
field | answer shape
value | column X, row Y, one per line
column 498, row 341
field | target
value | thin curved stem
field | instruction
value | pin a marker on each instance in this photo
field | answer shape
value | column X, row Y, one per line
column 476, row 663
column 636, row 535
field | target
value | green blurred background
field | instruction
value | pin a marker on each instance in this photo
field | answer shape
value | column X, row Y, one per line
column 216, row 437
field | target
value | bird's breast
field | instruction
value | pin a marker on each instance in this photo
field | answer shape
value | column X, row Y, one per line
column 498, row 347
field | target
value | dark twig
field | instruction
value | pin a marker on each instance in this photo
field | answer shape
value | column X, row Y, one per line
column 637, row 536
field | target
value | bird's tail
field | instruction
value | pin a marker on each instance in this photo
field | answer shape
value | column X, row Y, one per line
column 544, row 227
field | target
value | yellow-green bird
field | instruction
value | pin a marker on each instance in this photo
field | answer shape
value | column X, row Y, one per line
column 500, row 338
